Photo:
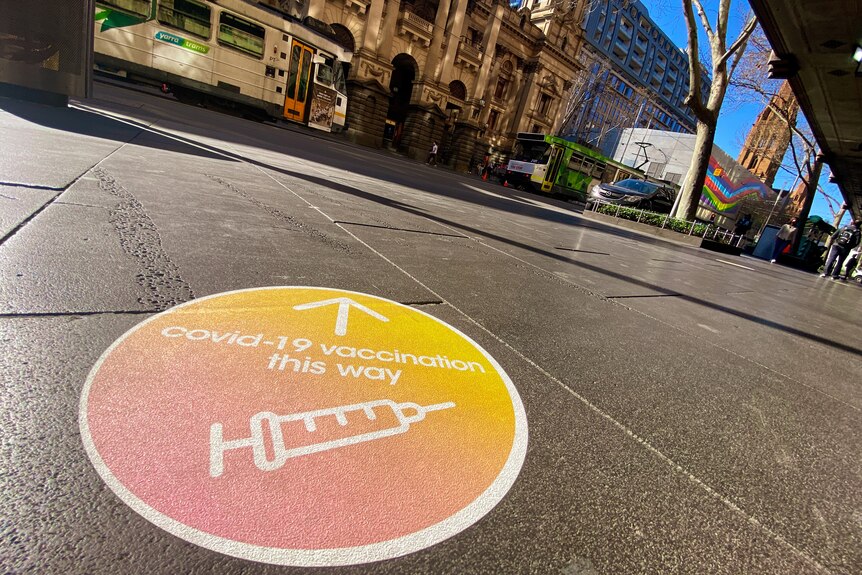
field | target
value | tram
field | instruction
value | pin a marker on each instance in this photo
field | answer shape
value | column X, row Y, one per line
column 552, row 165
column 227, row 53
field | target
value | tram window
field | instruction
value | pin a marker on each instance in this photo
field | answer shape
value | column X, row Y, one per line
column 134, row 7
column 576, row 162
column 598, row 170
column 324, row 72
column 303, row 79
column 296, row 54
column 241, row 34
column 532, row 152
column 189, row 15
column 340, row 74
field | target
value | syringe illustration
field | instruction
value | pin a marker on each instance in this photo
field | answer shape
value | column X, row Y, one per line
column 281, row 453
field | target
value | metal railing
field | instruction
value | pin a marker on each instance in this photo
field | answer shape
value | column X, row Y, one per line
column 706, row 231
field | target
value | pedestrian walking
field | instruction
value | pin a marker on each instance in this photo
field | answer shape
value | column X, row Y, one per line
column 742, row 226
column 486, row 171
column 432, row 155
column 843, row 240
column 783, row 238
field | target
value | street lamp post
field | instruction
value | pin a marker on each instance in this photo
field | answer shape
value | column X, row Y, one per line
column 775, row 203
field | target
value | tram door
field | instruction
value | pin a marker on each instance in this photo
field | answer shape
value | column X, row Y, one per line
column 298, row 82
column 553, row 169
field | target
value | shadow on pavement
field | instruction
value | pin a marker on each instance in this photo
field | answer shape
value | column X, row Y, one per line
column 101, row 124
column 97, row 125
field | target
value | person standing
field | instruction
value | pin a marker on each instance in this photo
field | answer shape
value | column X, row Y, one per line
column 783, row 239
column 852, row 261
column 843, row 240
column 432, row 155
column 742, row 226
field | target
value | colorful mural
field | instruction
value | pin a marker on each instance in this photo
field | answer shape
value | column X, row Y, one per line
column 724, row 188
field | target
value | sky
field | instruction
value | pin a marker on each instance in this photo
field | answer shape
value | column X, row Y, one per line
column 736, row 118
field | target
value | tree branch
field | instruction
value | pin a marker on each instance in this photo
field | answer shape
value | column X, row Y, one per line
column 721, row 24
column 703, row 19
column 738, row 46
column 694, row 99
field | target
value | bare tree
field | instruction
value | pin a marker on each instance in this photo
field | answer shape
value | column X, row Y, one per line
column 706, row 110
column 801, row 161
column 588, row 84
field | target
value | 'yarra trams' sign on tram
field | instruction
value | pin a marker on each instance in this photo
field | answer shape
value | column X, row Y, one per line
column 303, row 426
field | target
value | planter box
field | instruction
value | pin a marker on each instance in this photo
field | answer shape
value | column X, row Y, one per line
column 714, row 246
column 645, row 229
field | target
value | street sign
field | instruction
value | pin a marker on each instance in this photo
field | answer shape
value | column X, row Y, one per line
column 303, row 426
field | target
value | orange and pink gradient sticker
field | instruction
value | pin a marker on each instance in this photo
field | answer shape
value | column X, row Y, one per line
column 303, row 426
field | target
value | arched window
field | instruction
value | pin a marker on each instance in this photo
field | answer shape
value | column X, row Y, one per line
column 458, row 90
column 344, row 37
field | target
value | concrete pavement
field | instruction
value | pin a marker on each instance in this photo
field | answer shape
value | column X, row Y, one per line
column 688, row 412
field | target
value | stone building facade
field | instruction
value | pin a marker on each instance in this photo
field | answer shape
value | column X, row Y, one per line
column 467, row 74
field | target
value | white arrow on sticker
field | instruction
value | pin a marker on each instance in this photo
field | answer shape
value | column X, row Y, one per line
column 344, row 304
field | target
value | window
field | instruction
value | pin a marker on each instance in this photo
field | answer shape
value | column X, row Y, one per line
column 626, row 28
column 544, row 104
column 324, row 71
column 673, row 178
column 241, row 34
column 492, row 119
column 188, row 15
column 500, row 90
column 458, row 90
column 134, row 7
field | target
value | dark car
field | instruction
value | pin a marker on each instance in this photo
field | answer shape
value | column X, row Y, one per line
column 634, row 194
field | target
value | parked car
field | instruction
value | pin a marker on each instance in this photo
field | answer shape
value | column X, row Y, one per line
column 634, row 194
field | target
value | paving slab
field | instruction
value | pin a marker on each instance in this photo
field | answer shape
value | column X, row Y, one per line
column 72, row 260
column 55, row 146
column 18, row 203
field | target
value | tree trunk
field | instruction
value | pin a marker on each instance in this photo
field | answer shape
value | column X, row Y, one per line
column 692, row 186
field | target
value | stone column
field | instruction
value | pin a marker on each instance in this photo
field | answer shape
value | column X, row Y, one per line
column 390, row 21
column 366, row 116
column 528, row 95
column 463, row 145
column 509, row 121
column 489, row 42
column 488, row 94
column 430, row 71
column 314, row 8
column 453, row 33
column 372, row 27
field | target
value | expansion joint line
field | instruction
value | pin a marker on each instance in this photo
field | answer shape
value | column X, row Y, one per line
column 595, row 409
column 59, row 191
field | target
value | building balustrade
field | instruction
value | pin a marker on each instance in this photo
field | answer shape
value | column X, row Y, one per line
column 409, row 24
column 469, row 55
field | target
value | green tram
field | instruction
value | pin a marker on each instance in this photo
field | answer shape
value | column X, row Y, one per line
column 553, row 165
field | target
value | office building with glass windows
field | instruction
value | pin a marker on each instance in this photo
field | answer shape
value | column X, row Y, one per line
column 638, row 76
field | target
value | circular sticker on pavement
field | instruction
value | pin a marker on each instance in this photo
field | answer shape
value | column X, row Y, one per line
column 303, row 426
